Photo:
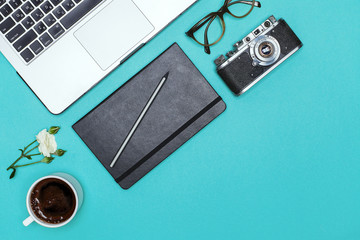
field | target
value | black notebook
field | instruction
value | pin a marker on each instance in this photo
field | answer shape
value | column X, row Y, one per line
column 185, row 104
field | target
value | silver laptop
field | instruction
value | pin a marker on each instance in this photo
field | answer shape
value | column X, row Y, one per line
column 62, row 48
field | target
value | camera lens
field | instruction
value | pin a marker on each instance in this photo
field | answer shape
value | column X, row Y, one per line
column 266, row 49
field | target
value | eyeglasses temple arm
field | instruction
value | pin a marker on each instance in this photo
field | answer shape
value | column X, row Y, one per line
column 256, row 4
column 206, row 40
column 200, row 23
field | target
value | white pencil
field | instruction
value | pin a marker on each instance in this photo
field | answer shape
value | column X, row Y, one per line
column 142, row 114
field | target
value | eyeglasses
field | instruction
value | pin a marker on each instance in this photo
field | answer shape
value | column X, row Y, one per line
column 237, row 9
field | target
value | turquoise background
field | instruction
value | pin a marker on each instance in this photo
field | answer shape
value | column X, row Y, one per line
column 282, row 162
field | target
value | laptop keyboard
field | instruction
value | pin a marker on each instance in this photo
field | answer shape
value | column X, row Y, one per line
column 32, row 26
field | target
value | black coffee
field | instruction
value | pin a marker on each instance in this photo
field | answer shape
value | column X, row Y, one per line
column 53, row 201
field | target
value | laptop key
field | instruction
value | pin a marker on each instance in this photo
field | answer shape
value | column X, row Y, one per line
column 15, row 3
column 27, row 7
column 6, row 10
column 79, row 12
column 1, row 18
column 6, row 25
column 27, row 55
column 28, row 22
column 2, row 2
column 40, row 28
column 77, row 1
column 25, row 40
column 36, row 47
column 56, row 31
column 56, row 2
column 37, row 2
column 37, row 15
column 15, row 33
column 49, row 20
column 45, row 39
column 47, row 7
column 18, row 15
column 68, row 5
column 59, row 12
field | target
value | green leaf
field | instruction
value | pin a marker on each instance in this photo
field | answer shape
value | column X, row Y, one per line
column 13, row 173
column 54, row 130
column 60, row 152
column 47, row 160
column 28, row 157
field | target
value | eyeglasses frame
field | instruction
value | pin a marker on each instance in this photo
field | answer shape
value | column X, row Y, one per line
column 208, row 19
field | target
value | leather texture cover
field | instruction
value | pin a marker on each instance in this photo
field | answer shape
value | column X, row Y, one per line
column 185, row 104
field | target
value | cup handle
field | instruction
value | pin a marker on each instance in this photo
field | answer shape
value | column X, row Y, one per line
column 27, row 221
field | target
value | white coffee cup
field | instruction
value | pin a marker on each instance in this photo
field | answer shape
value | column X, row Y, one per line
column 73, row 184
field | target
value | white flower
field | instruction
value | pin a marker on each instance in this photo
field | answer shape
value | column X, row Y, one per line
column 47, row 143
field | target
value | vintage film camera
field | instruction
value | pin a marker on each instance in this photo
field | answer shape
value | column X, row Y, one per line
column 257, row 54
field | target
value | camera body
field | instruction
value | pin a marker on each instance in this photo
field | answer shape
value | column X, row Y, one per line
column 257, row 54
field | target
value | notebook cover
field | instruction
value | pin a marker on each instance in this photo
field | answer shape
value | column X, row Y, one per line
column 185, row 104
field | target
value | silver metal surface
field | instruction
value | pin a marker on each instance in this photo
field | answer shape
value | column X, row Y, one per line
column 67, row 67
column 140, row 118
column 246, row 44
column 270, row 69
column 255, row 54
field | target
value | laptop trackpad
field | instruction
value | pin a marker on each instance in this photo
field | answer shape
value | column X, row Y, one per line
column 113, row 32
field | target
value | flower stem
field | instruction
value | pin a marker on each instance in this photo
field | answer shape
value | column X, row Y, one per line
column 37, row 154
column 29, row 145
column 27, row 164
column 22, row 155
column 31, row 149
column 14, row 163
